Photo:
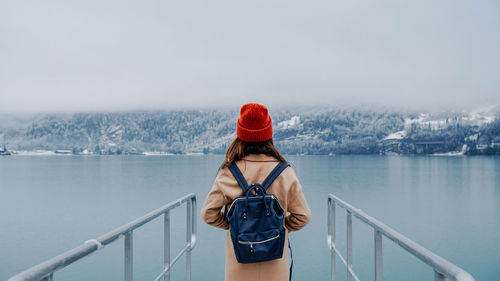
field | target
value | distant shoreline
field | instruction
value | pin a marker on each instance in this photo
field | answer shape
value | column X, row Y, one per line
column 156, row 154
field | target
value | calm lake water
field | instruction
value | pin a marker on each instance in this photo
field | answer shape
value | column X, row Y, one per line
column 50, row 204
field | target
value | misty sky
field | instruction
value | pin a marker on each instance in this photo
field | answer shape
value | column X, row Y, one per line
column 59, row 55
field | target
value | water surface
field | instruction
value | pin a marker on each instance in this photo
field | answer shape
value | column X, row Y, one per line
column 49, row 204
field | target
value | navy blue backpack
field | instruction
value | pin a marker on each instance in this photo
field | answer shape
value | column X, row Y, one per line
column 256, row 219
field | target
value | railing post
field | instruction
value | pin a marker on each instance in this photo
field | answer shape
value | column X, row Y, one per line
column 378, row 256
column 166, row 244
column 331, row 233
column 193, row 223
column 438, row 276
column 349, row 245
column 189, row 224
column 128, row 256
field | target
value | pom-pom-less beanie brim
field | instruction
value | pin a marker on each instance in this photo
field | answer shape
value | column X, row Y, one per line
column 254, row 123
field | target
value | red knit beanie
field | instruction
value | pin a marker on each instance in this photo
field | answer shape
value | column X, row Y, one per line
column 254, row 123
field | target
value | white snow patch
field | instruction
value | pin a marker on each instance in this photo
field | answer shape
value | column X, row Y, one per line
column 453, row 153
column 157, row 153
column 425, row 120
column 472, row 138
column 472, row 118
column 478, row 118
column 293, row 123
column 35, row 152
column 396, row 136
column 85, row 152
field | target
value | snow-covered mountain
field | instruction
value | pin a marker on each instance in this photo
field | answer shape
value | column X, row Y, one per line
column 296, row 131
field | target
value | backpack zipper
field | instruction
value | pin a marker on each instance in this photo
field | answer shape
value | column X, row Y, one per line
column 254, row 197
column 258, row 242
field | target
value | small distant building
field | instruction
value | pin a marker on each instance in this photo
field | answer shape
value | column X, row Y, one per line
column 4, row 151
column 393, row 142
column 428, row 146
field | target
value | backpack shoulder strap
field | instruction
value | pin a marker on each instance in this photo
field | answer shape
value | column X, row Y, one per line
column 238, row 176
column 274, row 174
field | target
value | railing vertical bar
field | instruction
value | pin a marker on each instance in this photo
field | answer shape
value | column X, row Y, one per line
column 378, row 255
column 192, row 239
column 166, row 244
column 49, row 277
column 349, row 245
column 438, row 276
column 128, row 256
column 331, row 231
column 189, row 225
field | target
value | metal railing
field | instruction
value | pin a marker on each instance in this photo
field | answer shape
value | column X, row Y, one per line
column 443, row 269
column 45, row 270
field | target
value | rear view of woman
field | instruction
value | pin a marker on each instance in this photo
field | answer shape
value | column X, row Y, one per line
column 255, row 156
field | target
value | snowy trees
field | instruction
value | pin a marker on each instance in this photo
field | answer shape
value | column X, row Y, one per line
column 296, row 131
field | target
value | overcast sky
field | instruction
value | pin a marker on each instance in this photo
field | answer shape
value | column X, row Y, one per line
column 60, row 55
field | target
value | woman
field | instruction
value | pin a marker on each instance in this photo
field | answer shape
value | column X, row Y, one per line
column 255, row 155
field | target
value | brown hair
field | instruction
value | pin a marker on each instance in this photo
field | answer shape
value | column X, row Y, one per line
column 239, row 149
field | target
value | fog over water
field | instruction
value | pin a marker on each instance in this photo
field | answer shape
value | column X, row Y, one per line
column 128, row 55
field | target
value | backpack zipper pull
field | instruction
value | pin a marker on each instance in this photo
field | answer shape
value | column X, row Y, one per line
column 251, row 248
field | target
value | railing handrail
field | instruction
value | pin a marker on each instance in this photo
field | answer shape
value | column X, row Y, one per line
column 441, row 266
column 45, row 269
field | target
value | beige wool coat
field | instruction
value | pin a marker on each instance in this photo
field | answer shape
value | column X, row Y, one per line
column 255, row 168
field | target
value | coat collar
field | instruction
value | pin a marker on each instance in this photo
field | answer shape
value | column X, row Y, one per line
column 260, row 158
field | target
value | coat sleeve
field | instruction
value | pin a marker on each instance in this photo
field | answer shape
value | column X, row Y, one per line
column 299, row 212
column 211, row 212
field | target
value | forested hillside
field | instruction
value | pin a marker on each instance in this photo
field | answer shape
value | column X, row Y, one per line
column 305, row 131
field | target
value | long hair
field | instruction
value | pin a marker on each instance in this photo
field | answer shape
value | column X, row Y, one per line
column 239, row 149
